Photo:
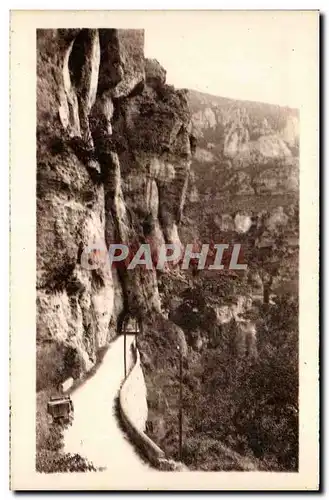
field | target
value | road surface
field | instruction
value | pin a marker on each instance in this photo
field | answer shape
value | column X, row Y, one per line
column 95, row 433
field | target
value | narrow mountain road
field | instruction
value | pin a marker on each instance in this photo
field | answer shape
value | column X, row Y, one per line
column 95, row 433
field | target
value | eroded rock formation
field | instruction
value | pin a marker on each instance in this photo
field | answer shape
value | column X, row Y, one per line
column 113, row 156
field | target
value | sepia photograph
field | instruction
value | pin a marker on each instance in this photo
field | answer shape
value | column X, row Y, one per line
column 168, row 245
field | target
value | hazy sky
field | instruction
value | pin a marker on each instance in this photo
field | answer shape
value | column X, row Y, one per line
column 249, row 55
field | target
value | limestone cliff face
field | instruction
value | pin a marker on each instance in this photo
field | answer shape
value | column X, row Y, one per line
column 250, row 148
column 113, row 154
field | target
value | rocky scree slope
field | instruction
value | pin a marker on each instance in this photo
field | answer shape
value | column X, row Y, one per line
column 113, row 154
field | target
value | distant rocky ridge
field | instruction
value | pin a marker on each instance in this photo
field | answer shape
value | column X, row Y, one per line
column 113, row 155
column 246, row 160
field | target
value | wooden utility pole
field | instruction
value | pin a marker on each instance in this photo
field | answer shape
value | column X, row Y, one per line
column 180, row 414
column 125, row 349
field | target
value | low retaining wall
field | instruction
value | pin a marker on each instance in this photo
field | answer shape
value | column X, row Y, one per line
column 133, row 393
column 133, row 410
